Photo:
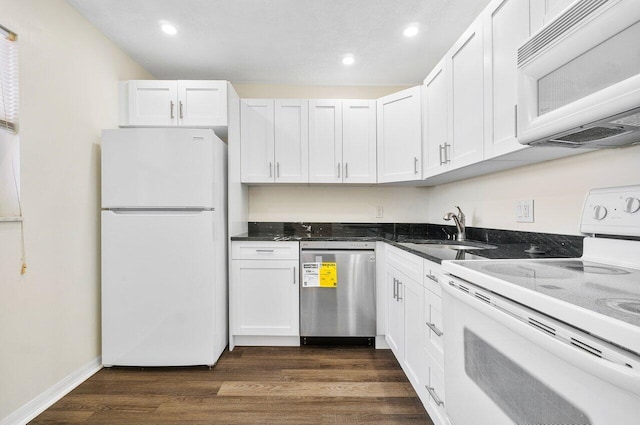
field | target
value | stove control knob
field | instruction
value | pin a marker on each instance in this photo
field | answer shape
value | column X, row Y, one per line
column 631, row 205
column 599, row 212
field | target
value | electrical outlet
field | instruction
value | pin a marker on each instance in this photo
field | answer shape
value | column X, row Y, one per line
column 524, row 211
column 379, row 211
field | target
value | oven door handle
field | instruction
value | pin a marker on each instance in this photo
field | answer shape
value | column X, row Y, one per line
column 621, row 376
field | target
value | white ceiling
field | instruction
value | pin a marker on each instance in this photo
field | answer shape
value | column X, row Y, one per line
column 284, row 41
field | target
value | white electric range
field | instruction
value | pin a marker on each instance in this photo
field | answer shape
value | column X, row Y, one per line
column 543, row 341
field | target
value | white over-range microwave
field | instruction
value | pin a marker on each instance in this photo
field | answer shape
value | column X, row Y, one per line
column 579, row 78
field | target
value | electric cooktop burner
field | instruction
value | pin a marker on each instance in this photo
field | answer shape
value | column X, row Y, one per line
column 610, row 290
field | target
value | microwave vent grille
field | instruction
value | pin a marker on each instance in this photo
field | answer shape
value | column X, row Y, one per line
column 570, row 18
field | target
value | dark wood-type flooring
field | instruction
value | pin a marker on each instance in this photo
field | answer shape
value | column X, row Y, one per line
column 251, row 385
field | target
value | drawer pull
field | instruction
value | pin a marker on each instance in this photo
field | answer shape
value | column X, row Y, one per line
column 432, row 393
column 433, row 277
column 264, row 250
column 434, row 328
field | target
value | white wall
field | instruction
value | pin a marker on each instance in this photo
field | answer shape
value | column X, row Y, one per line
column 50, row 317
column 558, row 189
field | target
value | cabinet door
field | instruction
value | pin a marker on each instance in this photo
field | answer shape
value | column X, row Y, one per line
column 435, row 109
column 395, row 318
column 467, row 101
column 265, row 298
column 292, row 141
column 202, row 103
column 359, row 141
column 399, row 136
column 506, row 26
column 153, row 103
column 413, row 299
column 257, row 141
column 325, row 141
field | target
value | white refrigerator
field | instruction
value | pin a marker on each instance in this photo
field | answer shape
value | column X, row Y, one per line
column 164, row 266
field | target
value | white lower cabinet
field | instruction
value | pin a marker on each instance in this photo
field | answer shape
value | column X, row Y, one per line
column 432, row 379
column 414, row 325
column 264, row 294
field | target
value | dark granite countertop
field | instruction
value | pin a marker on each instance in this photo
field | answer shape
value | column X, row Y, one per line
column 508, row 244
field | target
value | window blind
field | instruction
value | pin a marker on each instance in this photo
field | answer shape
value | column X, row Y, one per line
column 8, row 81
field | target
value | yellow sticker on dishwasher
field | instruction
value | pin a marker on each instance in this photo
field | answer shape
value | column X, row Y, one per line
column 328, row 275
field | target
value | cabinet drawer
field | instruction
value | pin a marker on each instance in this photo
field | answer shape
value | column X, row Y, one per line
column 267, row 250
column 433, row 327
column 407, row 263
column 435, row 388
column 432, row 277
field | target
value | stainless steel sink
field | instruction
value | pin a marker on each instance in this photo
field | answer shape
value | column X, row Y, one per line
column 446, row 244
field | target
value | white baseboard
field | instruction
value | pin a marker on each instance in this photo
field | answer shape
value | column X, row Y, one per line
column 43, row 401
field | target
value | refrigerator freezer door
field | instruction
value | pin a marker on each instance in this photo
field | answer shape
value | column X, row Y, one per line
column 158, row 283
column 158, row 168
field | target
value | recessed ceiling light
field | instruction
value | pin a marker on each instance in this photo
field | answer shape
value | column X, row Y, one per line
column 410, row 31
column 168, row 29
column 348, row 60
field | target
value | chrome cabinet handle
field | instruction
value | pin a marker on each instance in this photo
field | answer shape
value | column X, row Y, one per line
column 399, row 297
column 294, row 275
column 278, row 169
column 180, row 109
column 264, row 250
column 395, row 289
column 346, row 170
column 270, row 169
column 432, row 393
column 171, row 109
column 434, row 328
column 446, row 153
column 433, row 277
column 415, row 165
column 338, row 170
column 440, row 149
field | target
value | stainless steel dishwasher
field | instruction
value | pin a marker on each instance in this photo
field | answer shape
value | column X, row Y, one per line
column 347, row 309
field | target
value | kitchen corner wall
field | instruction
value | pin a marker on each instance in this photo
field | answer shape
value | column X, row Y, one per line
column 557, row 187
column 50, row 317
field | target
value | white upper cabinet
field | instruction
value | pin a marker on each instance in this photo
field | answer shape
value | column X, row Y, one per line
column 359, row 141
column 274, row 141
column 342, row 141
column 400, row 136
column 160, row 103
column 466, row 101
column 202, row 103
column 506, row 26
column 435, row 120
column 325, row 141
column 257, row 140
column 291, row 141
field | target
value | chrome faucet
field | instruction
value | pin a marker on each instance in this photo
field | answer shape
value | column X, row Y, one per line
column 459, row 220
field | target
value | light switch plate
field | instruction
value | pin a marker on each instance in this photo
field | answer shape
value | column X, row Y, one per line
column 524, row 211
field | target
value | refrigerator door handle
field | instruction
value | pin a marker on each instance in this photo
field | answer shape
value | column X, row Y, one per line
column 184, row 211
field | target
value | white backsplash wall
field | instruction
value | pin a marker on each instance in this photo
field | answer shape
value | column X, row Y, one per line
column 557, row 187
column 353, row 204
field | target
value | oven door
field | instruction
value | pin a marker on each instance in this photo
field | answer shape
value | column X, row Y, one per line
column 505, row 364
